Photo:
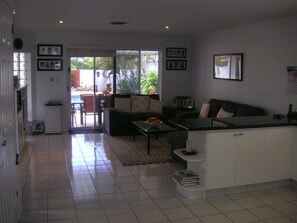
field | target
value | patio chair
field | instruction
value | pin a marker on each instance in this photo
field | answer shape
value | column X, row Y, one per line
column 88, row 108
column 104, row 102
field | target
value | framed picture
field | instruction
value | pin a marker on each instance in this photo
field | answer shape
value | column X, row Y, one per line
column 176, row 52
column 49, row 64
column 228, row 66
column 176, row 64
column 49, row 50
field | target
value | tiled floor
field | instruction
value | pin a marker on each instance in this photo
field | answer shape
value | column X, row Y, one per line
column 77, row 179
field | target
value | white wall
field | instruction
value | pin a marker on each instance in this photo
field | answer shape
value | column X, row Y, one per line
column 268, row 48
column 53, row 85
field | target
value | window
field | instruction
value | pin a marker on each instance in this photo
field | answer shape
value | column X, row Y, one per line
column 22, row 72
column 137, row 71
column 21, row 67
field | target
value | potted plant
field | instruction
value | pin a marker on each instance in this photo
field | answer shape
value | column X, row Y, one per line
column 108, row 88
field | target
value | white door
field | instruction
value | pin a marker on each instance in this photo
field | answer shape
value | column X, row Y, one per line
column 9, row 185
column 279, row 147
column 250, row 157
column 221, row 157
column 294, row 157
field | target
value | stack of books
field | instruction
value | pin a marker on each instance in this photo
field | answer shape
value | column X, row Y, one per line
column 186, row 178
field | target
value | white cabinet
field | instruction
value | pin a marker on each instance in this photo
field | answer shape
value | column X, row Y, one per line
column 53, row 119
column 250, row 149
column 278, row 152
column 249, row 156
column 221, row 156
column 235, row 158
column 294, row 157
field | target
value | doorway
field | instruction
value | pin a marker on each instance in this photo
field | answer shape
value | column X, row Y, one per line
column 91, row 81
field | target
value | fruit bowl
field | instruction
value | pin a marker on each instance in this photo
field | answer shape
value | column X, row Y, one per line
column 154, row 124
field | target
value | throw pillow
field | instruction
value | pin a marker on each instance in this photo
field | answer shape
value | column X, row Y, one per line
column 156, row 106
column 204, row 110
column 123, row 104
column 223, row 114
column 140, row 103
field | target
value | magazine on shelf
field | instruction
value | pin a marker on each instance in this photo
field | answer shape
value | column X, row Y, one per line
column 187, row 183
column 186, row 174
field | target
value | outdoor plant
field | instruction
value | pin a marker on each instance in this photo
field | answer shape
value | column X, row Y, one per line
column 149, row 82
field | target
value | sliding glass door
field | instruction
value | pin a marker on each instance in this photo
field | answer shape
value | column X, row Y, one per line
column 91, row 83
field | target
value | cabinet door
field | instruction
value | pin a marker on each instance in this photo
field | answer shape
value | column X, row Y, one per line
column 278, row 150
column 294, row 157
column 53, row 119
column 221, row 155
column 250, row 157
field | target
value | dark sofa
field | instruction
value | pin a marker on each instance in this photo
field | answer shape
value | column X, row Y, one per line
column 178, row 139
column 120, row 123
column 215, row 105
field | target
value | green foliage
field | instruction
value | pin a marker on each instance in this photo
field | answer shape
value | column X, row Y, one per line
column 127, row 73
column 105, row 64
column 149, row 82
column 82, row 63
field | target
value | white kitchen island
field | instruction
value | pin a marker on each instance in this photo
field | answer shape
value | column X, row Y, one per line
column 242, row 154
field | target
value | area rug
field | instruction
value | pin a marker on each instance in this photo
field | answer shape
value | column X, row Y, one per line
column 131, row 152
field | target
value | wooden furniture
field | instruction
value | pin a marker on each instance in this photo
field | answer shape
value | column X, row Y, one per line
column 74, row 105
column 149, row 131
column 104, row 102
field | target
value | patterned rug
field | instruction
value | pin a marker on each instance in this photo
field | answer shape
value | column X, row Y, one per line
column 131, row 152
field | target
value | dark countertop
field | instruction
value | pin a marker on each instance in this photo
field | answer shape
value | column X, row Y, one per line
column 199, row 124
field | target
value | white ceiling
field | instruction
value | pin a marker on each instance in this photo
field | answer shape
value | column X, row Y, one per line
column 185, row 17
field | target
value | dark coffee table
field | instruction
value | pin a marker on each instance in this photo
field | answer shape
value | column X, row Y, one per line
column 149, row 131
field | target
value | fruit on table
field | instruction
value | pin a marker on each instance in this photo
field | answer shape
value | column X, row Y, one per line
column 153, row 120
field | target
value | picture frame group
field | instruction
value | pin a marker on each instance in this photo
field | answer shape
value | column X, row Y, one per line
column 176, row 52
column 177, row 58
column 50, row 64
column 176, row 64
column 49, row 50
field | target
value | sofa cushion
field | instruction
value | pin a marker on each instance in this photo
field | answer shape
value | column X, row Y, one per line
column 123, row 104
column 156, row 106
column 204, row 110
column 215, row 106
column 229, row 106
column 140, row 103
column 247, row 110
column 114, row 96
column 224, row 114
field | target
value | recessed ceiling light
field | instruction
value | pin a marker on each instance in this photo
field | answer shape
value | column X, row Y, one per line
column 166, row 27
column 119, row 23
column 61, row 21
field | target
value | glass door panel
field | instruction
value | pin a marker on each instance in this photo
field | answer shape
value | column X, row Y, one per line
column 82, row 92
column 91, row 83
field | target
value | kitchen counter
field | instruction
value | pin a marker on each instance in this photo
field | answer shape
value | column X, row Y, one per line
column 199, row 124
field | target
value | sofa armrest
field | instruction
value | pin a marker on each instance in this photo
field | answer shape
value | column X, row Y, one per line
column 180, row 117
column 110, row 118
